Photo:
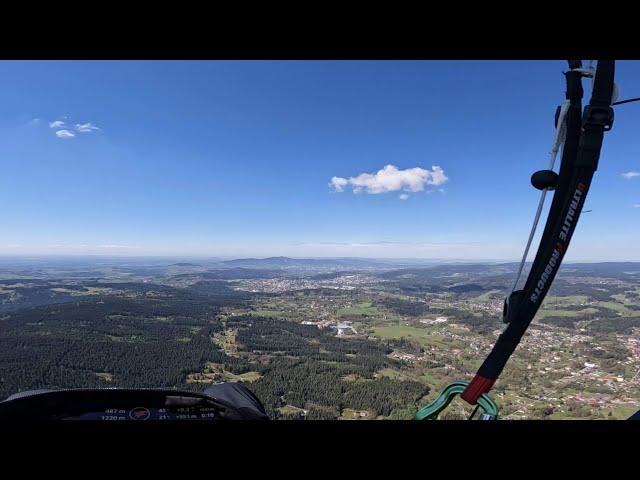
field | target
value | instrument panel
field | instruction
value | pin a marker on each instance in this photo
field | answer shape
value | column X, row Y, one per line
column 144, row 413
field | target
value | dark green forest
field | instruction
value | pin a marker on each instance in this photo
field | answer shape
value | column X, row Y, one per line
column 157, row 341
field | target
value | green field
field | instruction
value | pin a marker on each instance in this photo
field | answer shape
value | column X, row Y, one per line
column 364, row 308
column 566, row 313
column 249, row 376
column 350, row 414
column 618, row 412
column 290, row 410
column 566, row 300
column 618, row 307
column 423, row 336
column 486, row 296
column 622, row 297
column 271, row 313
column 622, row 412
column 215, row 372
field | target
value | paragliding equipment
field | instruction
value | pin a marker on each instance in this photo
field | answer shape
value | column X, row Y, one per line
column 218, row 402
column 579, row 134
column 431, row 411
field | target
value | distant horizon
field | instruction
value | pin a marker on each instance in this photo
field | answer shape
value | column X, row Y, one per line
column 221, row 258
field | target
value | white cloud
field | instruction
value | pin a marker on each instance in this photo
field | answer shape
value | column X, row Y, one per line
column 63, row 245
column 65, row 134
column 338, row 183
column 116, row 246
column 636, row 205
column 392, row 179
column 403, row 196
column 86, row 127
column 630, row 175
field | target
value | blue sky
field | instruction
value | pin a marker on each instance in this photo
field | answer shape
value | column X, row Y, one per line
column 235, row 159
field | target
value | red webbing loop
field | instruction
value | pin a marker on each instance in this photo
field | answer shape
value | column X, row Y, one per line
column 477, row 387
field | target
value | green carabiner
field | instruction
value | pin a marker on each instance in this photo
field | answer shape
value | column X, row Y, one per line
column 431, row 411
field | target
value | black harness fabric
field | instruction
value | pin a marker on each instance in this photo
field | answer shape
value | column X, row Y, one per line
column 635, row 416
column 579, row 161
column 240, row 397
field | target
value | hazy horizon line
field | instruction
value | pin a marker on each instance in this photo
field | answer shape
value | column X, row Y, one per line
column 258, row 257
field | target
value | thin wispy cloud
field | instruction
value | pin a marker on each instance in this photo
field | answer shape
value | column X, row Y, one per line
column 391, row 244
column 403, row 196
column 64, row 245
column 65, row 131
column 630, row 175
column 86, row 127
column 65, row 134
column 392, row 179
column 441, row 248
column 636, row 205
column 85, row 246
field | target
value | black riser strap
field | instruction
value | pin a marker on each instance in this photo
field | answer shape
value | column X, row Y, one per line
column 579, row 162
column 540, row 281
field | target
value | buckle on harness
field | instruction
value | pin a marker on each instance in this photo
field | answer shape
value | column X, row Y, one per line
column 598, row 116
column 431, row 411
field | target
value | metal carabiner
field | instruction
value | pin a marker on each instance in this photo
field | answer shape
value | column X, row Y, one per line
column 431, row 411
